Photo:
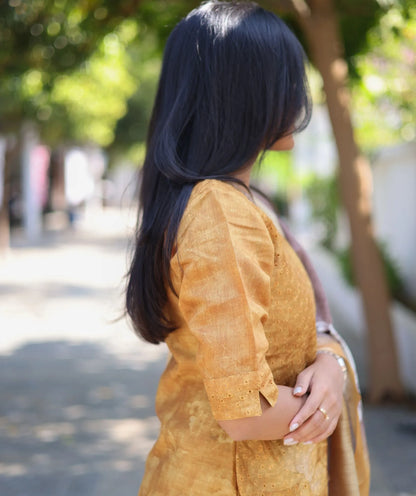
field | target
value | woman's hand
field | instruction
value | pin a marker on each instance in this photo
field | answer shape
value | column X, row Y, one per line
column 318, row 417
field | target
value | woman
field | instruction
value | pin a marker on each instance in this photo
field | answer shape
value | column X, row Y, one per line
column 246, row 403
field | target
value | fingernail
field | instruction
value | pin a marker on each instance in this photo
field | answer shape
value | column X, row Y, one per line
column 308, row 442
column 293, row 427
column 297, row 390
column 289, row 442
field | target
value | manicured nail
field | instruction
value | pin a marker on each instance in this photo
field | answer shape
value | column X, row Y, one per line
column 297, row 390
column 308, row 442
column 289, row 442
column 293, row 427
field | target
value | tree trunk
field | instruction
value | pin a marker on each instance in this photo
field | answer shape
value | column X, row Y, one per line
column 319, row 23
column 4, row 207
column 56, row 196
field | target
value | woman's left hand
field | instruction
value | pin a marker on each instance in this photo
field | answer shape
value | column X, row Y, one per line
column 317, row 419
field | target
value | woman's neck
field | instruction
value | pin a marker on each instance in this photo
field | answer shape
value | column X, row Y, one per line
column 244, row 173
column 244, row 176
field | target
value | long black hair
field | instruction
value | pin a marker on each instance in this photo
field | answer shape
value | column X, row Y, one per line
column 232, row 83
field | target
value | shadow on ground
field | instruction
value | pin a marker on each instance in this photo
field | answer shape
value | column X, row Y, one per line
column 74, row 420
column 78, row 420
column 391, row 433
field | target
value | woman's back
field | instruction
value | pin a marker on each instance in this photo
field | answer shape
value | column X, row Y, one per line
column 246, row 322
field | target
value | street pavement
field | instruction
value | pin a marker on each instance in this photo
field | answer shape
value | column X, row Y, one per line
column 77, row 386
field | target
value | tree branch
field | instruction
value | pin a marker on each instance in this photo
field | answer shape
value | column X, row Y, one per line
column 297, row 7
column 301, row 8
column 280, row 6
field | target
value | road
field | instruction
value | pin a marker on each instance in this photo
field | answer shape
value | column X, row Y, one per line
column 77, row 387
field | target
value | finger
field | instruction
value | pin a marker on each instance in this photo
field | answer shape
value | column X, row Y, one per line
column 314, row 401
column 309, row 430
column 316, row 426
column 324, row 435
column 308, row 409
column 333, row 417
column 322, row 421
column 303, row 382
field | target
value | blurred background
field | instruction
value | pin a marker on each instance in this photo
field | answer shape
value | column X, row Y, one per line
column 77, row 82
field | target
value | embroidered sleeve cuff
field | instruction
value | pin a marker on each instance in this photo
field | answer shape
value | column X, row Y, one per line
column 238, row 396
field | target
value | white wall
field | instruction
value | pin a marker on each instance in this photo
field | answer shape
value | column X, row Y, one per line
column 348, row 316
column 394, row 177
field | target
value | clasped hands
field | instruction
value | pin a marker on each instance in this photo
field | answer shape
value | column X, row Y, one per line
column 321, row 386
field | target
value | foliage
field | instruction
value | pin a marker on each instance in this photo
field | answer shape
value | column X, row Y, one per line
column 384, row 92
column 161, row 16
column 356, row 18
column 323, row 196
column 274, row 175
column 394, row 280
column 65, row 67
column 365, row 40
column 276, row 168
column 94, row 96
column 144, row 66
column 87, row 70
column 55, row 35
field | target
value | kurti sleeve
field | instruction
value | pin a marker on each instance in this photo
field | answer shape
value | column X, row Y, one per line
column 226, row 257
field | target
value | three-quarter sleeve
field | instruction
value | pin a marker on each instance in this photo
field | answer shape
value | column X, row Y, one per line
column 226, row 257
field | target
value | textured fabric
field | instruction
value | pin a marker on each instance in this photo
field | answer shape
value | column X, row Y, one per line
column 349, row 464
column 245, row 310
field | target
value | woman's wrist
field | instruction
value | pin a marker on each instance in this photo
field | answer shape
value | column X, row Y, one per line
column 340, row 360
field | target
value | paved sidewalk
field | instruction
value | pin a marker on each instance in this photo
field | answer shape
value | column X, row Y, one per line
column 77, row 389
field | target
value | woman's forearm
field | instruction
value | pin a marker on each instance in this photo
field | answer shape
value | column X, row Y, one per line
column 272, row 424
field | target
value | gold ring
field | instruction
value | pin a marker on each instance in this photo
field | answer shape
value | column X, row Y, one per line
column 324, row 412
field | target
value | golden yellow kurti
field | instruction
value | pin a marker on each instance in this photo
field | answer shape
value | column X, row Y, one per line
column 246, row 317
